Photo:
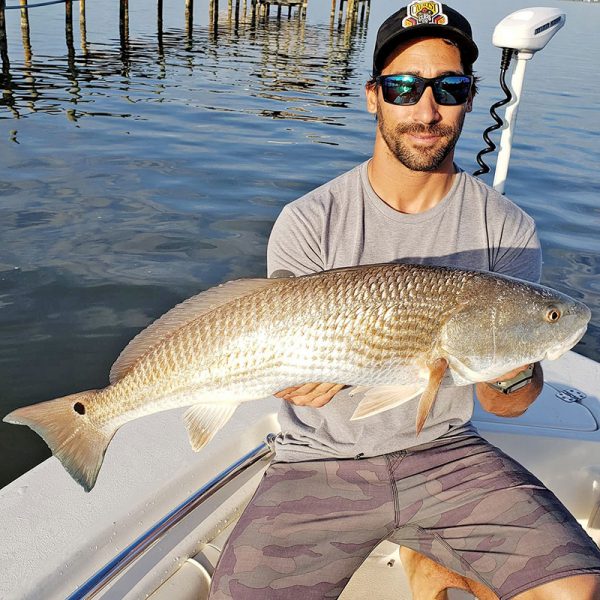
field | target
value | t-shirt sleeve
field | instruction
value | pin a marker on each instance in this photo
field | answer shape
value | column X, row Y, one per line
column 521, row 258
column 513, row 242
column 294, row 246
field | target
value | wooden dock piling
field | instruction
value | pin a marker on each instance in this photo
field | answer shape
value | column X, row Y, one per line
column 159, row 31
column 124, row 22
column 189, row 14
column 69, row 29
column 25, row 32
column 348, row 18
column 233, row 11
column 124, row 35
column 4, row 40
column 213, row 15
column 82, row 28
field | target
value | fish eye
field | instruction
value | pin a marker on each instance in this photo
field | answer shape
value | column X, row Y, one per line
column 79, row 408
column 552, row 314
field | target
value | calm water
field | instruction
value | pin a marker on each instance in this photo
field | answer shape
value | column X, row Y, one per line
column 142, row 166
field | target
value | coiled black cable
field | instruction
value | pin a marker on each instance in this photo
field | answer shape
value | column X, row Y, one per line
column 507, row 54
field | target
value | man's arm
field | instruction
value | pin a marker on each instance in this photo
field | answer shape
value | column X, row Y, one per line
column 514, row 403
column 491, row 399
column 517, row 256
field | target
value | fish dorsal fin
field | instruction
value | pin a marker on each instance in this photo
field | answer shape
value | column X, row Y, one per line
column 181, row 315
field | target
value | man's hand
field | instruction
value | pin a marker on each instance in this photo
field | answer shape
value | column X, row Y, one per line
column 515, row 403
column 310, row 394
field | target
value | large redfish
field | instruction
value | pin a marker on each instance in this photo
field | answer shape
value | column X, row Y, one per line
column 394, row 330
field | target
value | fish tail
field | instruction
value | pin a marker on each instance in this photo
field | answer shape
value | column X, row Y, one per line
column 64, row 424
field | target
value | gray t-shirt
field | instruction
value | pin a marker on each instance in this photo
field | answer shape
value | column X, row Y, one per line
column 345, row 223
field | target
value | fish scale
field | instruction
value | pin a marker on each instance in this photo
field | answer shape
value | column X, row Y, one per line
column 393, row 330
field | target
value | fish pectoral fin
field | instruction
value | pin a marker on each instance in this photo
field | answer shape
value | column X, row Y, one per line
column 437, row 369
column 381, row 398
column 359, row 389
column 202, row 422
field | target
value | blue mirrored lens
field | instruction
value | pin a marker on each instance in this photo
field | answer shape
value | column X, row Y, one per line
column 401, row 89
column 452, row 89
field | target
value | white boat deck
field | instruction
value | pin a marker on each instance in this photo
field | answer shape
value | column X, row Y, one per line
column 54, row 536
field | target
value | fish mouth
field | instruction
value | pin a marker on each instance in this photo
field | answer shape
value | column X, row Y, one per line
column 558, row 350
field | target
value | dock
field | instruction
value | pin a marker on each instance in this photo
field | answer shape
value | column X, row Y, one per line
column 299, row 5
column 349, row 19
column 350, row 13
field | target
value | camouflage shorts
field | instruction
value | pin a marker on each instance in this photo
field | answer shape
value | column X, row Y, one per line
column 461, row 502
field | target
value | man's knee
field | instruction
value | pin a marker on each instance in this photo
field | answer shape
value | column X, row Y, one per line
column 429, row 580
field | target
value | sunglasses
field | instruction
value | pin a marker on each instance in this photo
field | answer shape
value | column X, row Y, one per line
column 404, row 89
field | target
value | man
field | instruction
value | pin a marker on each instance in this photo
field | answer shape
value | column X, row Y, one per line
column 338, row 487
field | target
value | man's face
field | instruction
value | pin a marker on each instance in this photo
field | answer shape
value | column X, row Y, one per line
column 421, row 136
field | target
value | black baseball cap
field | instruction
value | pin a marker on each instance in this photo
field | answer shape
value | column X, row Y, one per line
column 424, row 19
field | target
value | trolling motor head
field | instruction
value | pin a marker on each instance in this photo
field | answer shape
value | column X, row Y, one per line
column 528, row 30
column 520, row 34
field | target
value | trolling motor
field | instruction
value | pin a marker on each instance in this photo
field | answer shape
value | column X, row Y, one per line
column 521, row 34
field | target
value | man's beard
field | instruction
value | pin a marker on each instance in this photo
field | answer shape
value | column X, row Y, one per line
column 425, row 158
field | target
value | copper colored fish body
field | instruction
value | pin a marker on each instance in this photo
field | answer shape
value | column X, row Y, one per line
column 393, row 331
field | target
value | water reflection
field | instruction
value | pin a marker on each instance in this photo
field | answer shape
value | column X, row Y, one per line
column 283, row 61
column 134, row 205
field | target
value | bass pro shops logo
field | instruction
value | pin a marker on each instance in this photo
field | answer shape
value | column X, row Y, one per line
column 424, row 13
